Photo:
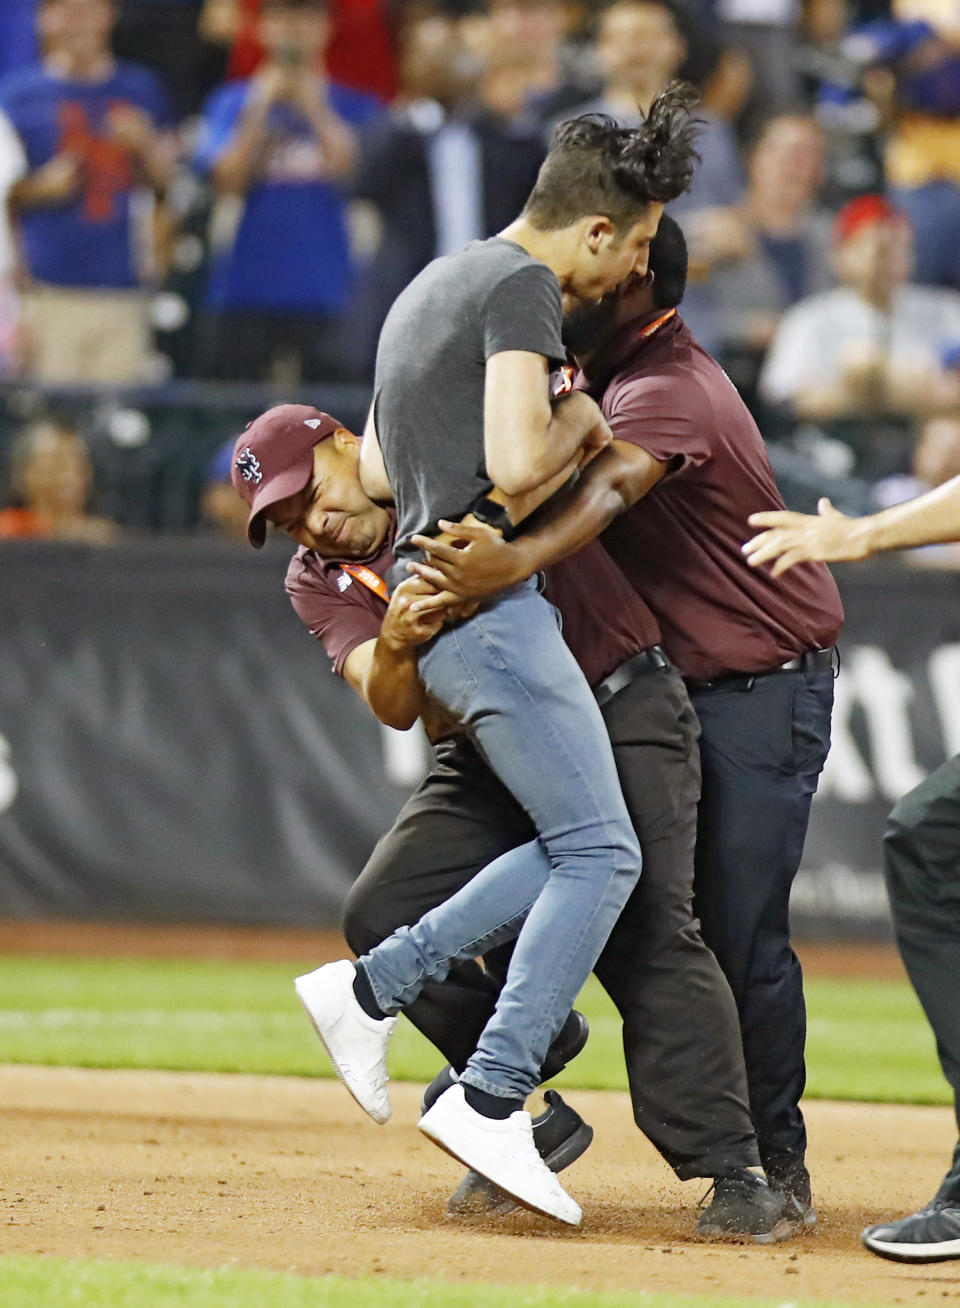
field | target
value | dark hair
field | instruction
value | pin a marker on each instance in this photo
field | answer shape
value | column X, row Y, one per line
column 668, row 263
column 596, row 166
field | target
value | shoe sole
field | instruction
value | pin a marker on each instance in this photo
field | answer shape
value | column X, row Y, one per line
column 941, row 1252
column 501, row 1203
column 783, row 1230
column 380, row 1120
column 522, row 1203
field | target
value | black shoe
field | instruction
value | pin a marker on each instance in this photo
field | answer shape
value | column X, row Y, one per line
column 561, row 1136
column 790, row 1177
column 570, row 1041
column 930, row 1236
column 744, row 1206
column 573, row 1036
column 444, row 1079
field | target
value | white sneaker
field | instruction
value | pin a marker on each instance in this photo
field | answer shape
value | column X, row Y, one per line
column 502, row 1151
column 356, row 1043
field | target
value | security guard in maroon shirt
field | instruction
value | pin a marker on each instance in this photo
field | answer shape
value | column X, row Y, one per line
column 672, row 496
column 682, row 1045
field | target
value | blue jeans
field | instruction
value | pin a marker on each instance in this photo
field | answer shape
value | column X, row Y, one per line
column 507, row 675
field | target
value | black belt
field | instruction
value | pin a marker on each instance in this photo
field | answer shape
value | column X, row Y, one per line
column 646, row 661
column 811, row 660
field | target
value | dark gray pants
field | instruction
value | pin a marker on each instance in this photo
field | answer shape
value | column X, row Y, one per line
column 680, row 1026
column 921, row 851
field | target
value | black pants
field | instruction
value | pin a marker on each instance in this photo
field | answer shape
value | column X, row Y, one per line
column 763, row 744
column 921, row 853
column 680, row 1030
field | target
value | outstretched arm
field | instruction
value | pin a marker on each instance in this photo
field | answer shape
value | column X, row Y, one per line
column 832, row 537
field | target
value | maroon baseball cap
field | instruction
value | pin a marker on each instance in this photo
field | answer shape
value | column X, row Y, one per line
column 274, row 458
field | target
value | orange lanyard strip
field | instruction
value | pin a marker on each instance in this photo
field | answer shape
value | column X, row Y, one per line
column 369, row 578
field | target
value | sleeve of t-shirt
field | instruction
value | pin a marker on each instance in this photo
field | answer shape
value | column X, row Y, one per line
column 336, row 620
column 220, row 116
column 661, row 417
column 524, row 312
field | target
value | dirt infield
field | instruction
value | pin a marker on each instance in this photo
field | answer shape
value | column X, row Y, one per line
column 286, row 1173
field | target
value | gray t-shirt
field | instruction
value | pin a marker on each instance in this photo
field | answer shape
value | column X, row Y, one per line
column 489, row 297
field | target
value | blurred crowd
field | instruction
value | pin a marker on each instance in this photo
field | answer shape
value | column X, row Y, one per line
column 238, row 189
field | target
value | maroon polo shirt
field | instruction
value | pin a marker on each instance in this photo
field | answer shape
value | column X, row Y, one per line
column 604, row 620
column 680, row 545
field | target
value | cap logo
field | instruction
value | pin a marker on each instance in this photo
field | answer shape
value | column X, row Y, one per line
column 248, row 465
column 313, row 422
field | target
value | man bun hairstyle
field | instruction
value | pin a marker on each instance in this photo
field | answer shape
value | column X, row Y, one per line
column 596, row 166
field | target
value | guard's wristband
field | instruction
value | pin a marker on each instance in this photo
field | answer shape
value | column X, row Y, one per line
column 488, row 511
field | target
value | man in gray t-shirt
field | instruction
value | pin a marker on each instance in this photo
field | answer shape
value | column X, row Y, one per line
column 462, row 411
column 489, row 298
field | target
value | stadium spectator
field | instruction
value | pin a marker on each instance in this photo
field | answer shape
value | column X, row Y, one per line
column 874, row 347
column 361, row 53
column 530, row 69
column 440, row 170
column 51, row 481
column 98, row 139
column 786, row 238
column 279, row 149
column 765, row 32
column 640, row 47
column 912, row 63
column 834, row 85
column 164, row 35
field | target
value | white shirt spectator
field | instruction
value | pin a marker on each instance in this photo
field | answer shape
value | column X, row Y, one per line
column 816, row 337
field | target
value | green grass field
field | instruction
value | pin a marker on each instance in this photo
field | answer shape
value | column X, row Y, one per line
column 59, row 1283
column 867, row 1041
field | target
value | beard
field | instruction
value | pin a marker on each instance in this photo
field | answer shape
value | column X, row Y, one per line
column 588, row 327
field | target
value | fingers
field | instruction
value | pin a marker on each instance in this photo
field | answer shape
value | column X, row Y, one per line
column 465, row 530
column 773, row 518
column 826, row 509
column 431, row 603
column 768, row 545
column 427, row 572
column 435, row 549
column 787, row 561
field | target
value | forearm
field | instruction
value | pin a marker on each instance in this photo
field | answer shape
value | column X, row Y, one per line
column 337, row 139
column 392, row 685
column 572, row 421
column 233, row 170
column 931, row 519
column 573, row 520
column 157, row 162
column 528, row 444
